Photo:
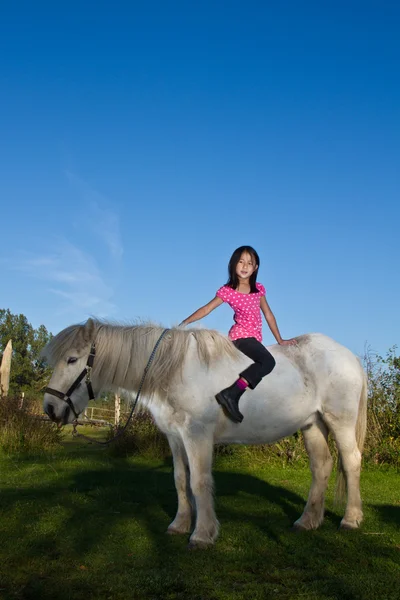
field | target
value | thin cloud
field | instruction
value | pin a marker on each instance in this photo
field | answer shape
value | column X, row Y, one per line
column 84, row 301
column 106, row 224
column 40, row 262
column 74, row 277
column 103, row 221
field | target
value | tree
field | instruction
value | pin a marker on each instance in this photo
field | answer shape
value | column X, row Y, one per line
column 28, row 370
column 40, row 337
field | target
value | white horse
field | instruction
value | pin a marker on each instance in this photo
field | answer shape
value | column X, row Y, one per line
column 317, row 386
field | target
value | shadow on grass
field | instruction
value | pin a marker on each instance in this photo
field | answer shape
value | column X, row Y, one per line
column 388, row 513
column 98, row 532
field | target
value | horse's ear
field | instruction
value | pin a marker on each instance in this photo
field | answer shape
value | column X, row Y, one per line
column 89, row 330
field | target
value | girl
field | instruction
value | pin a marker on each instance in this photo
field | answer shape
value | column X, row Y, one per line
column 245, row 297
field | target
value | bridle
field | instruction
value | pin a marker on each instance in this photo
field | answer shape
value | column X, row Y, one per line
column 86, row 373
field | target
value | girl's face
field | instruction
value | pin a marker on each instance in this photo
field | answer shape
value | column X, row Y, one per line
column 245, row 267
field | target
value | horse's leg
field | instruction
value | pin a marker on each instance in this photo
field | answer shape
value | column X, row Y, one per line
column 183, row 519
column 199, row 450
column 350, row 461
column 315, row 439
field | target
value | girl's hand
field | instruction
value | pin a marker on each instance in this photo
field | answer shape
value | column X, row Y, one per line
column 291, row 342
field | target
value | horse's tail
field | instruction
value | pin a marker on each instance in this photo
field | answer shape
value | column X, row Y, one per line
column 361, row 430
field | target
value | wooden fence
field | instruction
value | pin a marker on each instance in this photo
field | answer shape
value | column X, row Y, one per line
column 108, row 415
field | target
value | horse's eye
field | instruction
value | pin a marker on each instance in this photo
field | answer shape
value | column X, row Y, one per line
column 71, row 360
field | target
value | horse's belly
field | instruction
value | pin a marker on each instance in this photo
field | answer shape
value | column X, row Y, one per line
column 268, row 420
column 250, row 432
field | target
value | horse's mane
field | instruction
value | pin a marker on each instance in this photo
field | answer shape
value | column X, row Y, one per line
column 122, row 351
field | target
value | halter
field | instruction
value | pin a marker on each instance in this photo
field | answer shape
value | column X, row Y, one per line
column 87, row 372
column 122, row 429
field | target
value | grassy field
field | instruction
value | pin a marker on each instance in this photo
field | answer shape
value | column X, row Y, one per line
column 80, row 524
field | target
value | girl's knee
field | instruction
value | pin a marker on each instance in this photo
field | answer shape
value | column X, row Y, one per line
column 269, row 364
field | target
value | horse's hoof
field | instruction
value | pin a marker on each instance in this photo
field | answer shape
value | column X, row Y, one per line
column 172, row 531
column 348, row 527
column 297, row 528
column 192, row 545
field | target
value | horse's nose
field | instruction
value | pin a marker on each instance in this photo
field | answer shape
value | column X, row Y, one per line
column 61, row 418
column 50, row 411
column 65, row 417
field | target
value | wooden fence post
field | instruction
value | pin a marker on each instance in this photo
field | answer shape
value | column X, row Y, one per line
column 5, row 369
column 117, row 409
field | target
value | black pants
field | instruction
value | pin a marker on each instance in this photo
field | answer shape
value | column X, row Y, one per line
column 263, row 364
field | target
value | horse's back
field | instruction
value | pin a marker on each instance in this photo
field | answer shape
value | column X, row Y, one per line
column 318, row 355
column 336, row 373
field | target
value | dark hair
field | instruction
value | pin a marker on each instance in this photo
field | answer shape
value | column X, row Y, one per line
column 233, row 280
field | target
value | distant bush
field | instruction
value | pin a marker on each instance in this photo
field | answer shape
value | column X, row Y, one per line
column 21, row 429
column 383, row 437
column 142, row 436
column 288, row 451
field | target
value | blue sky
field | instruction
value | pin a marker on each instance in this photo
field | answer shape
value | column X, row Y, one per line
column 142, row 142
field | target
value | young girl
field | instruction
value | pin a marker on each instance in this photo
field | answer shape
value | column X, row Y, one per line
column 245, row 297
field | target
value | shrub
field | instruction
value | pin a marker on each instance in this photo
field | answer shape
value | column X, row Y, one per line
column 383, row 438
column 141, row 436
column 288, row 451
column 23, row 430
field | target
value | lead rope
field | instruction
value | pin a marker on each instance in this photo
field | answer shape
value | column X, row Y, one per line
column 121, row 431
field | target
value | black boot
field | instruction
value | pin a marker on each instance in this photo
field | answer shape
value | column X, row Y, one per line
column 229, row 400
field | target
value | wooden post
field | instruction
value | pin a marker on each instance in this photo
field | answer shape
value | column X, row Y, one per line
column 5, row 369
column 117, row 409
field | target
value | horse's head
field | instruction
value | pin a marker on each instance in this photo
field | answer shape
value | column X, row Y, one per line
column 72, row 353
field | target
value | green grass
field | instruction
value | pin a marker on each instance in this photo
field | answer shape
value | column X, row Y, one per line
column 80, row 524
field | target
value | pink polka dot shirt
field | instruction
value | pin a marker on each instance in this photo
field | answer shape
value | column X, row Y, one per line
column 247, row 315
